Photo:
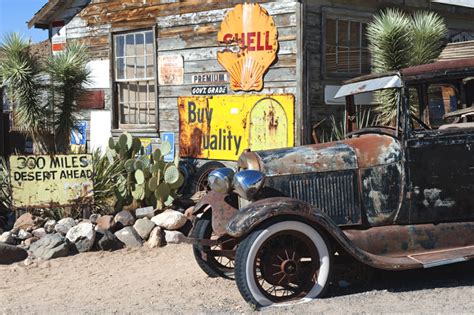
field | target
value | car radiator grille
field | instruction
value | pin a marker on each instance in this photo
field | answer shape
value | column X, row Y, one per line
column 334, row 194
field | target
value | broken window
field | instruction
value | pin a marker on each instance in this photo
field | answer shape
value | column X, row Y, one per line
column 345, row 48
column 134, row 79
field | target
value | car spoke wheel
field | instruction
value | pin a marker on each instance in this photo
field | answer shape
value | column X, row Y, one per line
column 209, row 258
column 285, row 262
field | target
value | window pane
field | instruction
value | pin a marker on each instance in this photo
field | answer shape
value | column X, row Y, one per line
column 130, row 68
column 150, row 66
column 119, row 46
column 140, row 64
column 140, row 44
column 130, row 45
column 354, row 34
column 331, row 32
column 149, row 42
column 120, row 68
column 343, row 33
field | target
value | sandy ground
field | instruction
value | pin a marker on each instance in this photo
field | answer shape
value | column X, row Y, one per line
column 167, row 280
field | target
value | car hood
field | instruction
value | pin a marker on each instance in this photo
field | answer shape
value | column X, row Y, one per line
column 362, row 152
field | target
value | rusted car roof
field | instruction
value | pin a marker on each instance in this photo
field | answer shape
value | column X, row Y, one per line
column 439, row 68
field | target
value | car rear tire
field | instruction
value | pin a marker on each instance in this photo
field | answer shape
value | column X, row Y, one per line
column 284, row 263
column 200, row 181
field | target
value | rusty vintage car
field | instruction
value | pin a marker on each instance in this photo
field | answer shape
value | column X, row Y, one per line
column 393, row 198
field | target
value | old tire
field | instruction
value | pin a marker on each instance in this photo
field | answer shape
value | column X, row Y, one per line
column 200, row 180
column 284, row 263
column 213, row 266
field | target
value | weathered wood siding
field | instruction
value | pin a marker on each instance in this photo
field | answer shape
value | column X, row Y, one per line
column 189, row 29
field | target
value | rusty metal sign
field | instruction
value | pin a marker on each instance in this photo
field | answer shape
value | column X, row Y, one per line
column 44, row 180
column 250, row 28
column 222, row 127
column 170, row 70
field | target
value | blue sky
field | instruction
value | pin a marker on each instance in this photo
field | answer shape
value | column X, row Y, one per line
column 14, row 15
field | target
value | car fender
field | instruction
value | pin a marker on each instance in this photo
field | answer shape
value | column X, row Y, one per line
column 222, row 207
column 258, row 213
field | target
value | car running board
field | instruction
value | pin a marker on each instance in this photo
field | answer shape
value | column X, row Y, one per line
column 444, row 257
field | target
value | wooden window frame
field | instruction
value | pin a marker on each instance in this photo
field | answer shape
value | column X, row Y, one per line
column 344, row 15
column 114, row 82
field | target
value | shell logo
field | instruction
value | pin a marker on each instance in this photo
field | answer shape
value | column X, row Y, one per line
column 249, row 27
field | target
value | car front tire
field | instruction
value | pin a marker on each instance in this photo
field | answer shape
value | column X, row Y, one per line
column 284, row 263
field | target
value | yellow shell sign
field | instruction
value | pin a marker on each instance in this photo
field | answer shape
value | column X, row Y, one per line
column 251, row 28
column 222, row 127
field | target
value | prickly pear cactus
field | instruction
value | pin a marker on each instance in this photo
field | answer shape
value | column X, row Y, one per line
column 148, row 180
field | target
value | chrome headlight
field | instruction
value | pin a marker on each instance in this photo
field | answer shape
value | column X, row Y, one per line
column 220, row 180
column 247, row 183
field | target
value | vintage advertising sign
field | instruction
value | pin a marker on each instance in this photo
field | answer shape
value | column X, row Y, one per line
column 56, row 180
column 170, row 70
column 249, row 27
column 222, row 127
column 209, row 90
column 201, row 78
column 168, row 137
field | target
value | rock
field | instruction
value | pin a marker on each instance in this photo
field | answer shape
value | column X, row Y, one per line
column 108, row 241
column 25, row 221
column 174, row 237
column 147, row 212
column 7, row 238
column 143, row 228
column 49, row 226
column 124, row 218
column 64, row 225
column 30, row 241
column 82, row 236
column 10, row 254
column 50, row 246
column 157, row 238
column 105, row 222
column 129, row 237
column 23, row 235
column 170, row 220
column 39, row 233
column 93, row 218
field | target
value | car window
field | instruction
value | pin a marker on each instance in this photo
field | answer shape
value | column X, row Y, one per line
column 442, row 99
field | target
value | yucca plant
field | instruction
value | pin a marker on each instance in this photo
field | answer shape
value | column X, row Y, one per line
column 5, row 187
column 69, row 73
column 396, row 41
column 20, row 73
column 105, row 178
column 363, row 118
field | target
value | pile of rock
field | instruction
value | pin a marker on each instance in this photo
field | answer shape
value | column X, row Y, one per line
column 48, row 239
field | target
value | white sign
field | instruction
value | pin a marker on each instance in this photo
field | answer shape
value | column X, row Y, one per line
column 209, row 78
column 170, row 70
column 100, row 129
column 99, row 74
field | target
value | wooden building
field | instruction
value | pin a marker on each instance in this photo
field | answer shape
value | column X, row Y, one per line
column 321, row 43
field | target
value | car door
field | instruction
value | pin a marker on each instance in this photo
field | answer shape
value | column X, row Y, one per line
column 441, row 170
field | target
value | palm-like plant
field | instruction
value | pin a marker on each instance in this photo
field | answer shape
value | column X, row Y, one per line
column 20, row 72
column 397, row 40
column 69, row 74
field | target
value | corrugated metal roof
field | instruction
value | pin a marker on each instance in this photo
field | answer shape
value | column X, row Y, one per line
column 461, row 50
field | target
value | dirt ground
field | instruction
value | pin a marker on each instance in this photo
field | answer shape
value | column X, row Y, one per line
column 167, row 280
